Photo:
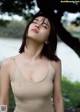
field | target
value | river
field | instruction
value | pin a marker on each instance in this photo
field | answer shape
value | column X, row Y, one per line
column 70, row 60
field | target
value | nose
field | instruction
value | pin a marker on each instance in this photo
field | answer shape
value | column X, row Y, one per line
column 38, row 25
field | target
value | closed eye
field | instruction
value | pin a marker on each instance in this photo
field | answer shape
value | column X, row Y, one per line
column 44, row 26
column 35, row 21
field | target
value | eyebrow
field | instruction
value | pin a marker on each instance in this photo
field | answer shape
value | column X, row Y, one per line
column 46, row 24
column 43, row 22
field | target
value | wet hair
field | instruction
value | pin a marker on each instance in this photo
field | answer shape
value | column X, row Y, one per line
column 49, row 49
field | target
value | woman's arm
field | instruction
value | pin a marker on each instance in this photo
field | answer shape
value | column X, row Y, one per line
column 5, row 83
column 57, row 90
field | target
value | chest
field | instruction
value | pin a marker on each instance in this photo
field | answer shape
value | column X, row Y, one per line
column 28, row 89
column 33, row 72
column 31, row 81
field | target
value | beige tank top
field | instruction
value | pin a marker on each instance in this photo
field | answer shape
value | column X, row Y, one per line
column 32, row 96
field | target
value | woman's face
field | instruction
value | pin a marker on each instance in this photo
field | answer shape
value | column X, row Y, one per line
column 39, row 29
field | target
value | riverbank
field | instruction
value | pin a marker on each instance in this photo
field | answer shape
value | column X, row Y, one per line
column 70, row 60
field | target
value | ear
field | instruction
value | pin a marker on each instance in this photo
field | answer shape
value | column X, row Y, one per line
column 46, row 42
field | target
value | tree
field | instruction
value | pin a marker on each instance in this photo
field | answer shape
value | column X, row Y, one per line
column 19, row 7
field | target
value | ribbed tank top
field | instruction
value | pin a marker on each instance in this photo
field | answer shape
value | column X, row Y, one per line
column 32, row 96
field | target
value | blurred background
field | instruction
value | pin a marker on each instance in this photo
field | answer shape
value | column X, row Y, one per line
column 14, row 15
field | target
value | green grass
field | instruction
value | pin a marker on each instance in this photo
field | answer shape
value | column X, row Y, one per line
column 12, row 102
column 71, row 93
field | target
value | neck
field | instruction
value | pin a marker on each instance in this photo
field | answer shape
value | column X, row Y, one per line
column 33, row 50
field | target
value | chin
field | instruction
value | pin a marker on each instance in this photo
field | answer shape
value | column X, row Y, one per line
column 32, row 35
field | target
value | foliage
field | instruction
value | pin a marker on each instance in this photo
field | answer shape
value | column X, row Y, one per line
column 71, row 93
column 13, row 29
column 16, row 6
column 4, row 22
column 19, row 6
column 12, row 101
column 53, row 7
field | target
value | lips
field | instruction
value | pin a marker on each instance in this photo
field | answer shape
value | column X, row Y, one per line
column 35, row 30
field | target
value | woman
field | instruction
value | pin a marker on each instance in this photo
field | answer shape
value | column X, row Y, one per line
column 35, row 73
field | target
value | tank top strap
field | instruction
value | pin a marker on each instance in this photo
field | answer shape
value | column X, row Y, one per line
column 14, row 66
column 13, row 59
column 51, row 67
column 49, row 62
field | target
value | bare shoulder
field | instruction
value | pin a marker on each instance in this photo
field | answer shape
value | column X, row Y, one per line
column 56, row 65
column 7, row 62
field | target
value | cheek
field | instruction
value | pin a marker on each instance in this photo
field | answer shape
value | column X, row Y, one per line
column 30, row 26
column 29, row 29
column 45, row 34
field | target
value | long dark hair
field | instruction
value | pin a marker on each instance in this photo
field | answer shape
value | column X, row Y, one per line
column 49, row 49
